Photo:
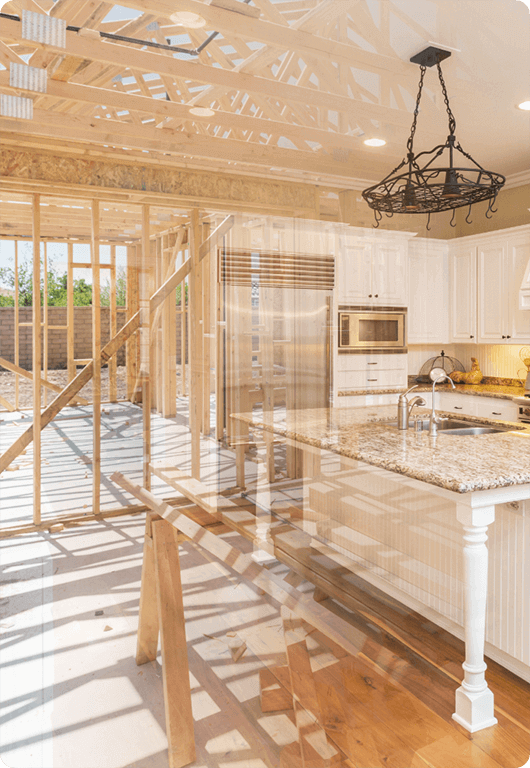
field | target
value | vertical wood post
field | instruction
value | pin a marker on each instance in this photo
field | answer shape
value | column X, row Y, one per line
column 17, row 331
column 206, row 343
column 132, row 308
column 70, row 350
column 183, row 336
column 45, row 321
column 175, row 670
column 169, row 341
column 195, row 299
column 113, row 362
column 145, row 290
column 474, row 701
column 148, row 621
column 36, row 363
column 96, row 352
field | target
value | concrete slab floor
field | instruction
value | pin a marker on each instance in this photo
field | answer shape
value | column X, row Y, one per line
column 67, row 459
column 71, row 693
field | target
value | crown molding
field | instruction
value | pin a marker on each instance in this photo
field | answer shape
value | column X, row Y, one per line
column 517, row 179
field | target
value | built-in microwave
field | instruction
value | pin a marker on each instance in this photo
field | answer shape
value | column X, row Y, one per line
column 372, row 330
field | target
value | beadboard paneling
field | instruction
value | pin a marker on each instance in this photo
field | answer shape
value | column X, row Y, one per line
column 397, row 535
column 494, row 359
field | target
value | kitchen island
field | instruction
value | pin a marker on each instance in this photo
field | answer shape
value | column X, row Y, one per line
column 404, row 506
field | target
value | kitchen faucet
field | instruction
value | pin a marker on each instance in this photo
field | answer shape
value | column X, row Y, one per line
column 405, row 407
column 434, row 419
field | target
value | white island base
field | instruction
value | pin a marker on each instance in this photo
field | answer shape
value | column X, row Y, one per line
column 403, row 556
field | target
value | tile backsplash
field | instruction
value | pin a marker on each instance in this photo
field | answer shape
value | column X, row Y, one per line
column 494, row 359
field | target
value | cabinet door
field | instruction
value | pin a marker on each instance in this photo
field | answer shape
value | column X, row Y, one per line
column 428, row 314
column 354, row 274
column 389, row 274
column 464, row 294
column 492, row 314
column 518, row 319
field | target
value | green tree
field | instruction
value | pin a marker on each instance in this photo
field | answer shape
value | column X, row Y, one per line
column 56, row 283
column 121, row 289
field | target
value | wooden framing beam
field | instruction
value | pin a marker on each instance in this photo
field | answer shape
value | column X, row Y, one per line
column 37, row 421
column 303, row 606
column 71, row 389
column 113, row 132
column 29, row 375
column 96, row 361
column 125, row 57
column 170, row 110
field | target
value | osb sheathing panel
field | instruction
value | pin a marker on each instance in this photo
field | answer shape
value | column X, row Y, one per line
column 178, row 184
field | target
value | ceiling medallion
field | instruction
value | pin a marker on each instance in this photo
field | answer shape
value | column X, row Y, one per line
column 425, row 188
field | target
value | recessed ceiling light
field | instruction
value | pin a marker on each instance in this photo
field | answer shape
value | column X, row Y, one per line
column 524, row 105
column 188, row 19
column 375, row 142
column 202, row 111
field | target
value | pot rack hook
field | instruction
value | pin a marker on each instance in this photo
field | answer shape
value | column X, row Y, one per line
column 468, row 220
column 453, row 217
column 428, row 227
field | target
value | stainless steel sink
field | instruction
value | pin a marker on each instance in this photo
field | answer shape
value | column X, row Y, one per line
column 456, row 427
column 476, row 430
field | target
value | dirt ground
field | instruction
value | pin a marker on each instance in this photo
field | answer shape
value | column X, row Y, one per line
column 7, row 387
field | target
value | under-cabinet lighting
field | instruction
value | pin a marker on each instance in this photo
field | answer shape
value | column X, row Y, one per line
column 524, row 105
column 188, row 19
column 202, row 111
column 374, row 142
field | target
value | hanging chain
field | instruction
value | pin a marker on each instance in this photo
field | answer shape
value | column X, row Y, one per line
column 416, row 110
column 452, row 121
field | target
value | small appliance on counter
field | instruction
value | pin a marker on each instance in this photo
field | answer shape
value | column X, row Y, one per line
column 443, row 361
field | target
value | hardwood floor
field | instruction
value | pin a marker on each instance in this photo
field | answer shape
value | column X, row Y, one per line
column 392, row 704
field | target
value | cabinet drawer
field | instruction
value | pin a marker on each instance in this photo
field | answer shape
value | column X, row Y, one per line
column 456, row 402
column 371, row 379
column 492, row 408
column 372, row 362
column 476, row 405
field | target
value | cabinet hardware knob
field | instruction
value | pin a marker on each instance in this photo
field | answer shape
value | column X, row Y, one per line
column 496, row 413
column 369, row 295
column 372, row 379
column 372, row 363
column 503, row 336
column 376, row 295
column 508, row 337
column 458, row 407
column 471, row 337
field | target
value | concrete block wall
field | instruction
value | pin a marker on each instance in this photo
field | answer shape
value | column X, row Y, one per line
column 57, row 352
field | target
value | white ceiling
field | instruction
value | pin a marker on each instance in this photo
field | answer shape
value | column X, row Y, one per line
column 486, row 77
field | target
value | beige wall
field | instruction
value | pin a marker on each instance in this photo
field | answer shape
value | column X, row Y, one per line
column 512, row 204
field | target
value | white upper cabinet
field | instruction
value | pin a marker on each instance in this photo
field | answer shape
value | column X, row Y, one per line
column 389, row 274
column 428, row 308
column 501, row 261
column 372, row 271
column 518, row 258
column 463, row 288
column 493, row 299
column 354, row 273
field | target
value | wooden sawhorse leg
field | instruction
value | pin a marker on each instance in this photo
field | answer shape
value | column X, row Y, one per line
column 162, row 613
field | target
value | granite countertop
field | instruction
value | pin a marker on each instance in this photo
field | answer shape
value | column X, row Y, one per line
column 488, row 388
column 460, row 463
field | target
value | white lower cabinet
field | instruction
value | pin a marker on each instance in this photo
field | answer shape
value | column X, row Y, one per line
column 476, row 405
column 370, row 372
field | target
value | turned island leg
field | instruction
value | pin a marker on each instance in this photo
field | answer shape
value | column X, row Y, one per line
column 474, row 700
